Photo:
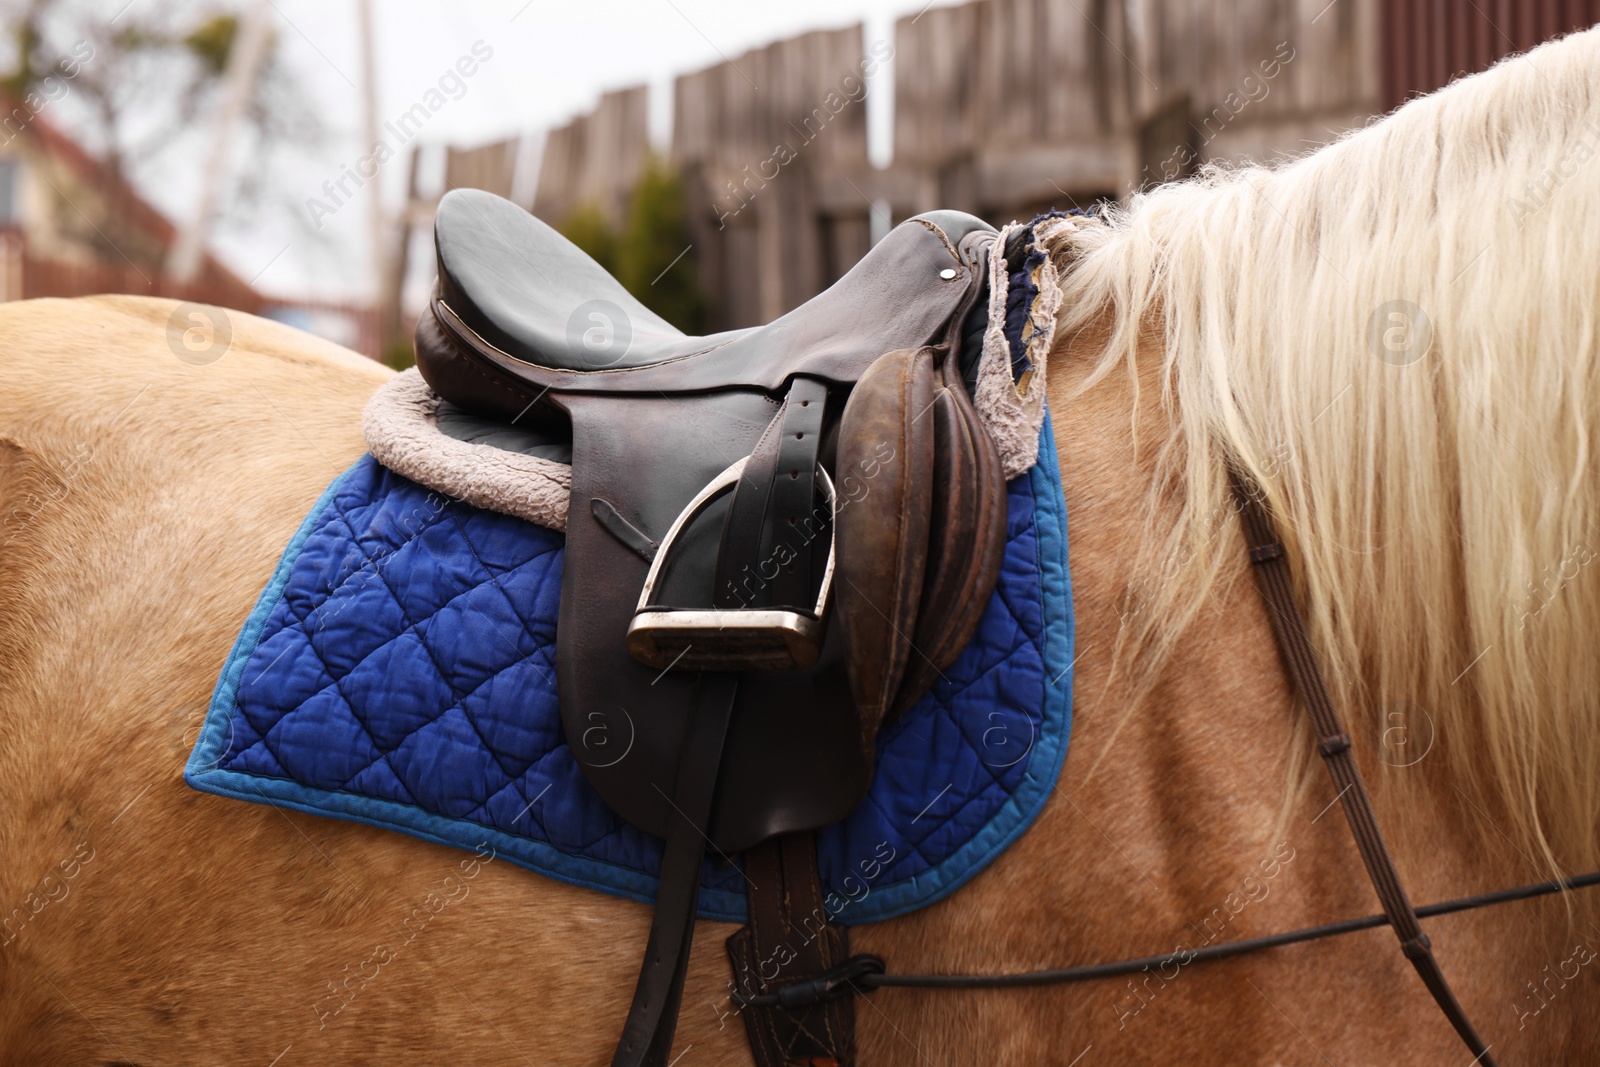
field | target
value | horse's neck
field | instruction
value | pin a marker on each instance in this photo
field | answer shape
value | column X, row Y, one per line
column 1176, row 820
column 1226, row 675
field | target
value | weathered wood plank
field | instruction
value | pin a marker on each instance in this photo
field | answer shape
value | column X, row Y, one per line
column 595, row 158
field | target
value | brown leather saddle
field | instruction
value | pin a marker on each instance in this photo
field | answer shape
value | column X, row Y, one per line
column 777, row 538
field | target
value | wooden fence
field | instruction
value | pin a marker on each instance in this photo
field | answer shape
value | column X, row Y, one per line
column 1002, row 108
column 773, row 148
column 1008, row 107
column 595, row 158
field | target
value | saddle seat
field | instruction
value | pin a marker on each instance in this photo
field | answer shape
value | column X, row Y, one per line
column 520, row 283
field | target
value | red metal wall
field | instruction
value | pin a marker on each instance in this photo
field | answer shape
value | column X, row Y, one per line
column 1425, row 43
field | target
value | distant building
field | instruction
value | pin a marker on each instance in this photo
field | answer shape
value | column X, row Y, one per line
column 73, row 227
column 70, row 226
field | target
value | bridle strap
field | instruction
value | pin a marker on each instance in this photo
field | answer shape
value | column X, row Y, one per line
column 1271, row 568
column 865, row 973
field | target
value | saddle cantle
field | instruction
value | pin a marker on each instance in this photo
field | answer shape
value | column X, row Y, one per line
column 732, row 496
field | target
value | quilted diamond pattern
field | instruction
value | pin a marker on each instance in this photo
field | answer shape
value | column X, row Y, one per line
column 400, row 671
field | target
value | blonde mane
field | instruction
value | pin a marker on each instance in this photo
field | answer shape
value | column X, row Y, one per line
column 1396, row 339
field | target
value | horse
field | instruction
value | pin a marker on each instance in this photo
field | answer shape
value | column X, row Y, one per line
column 1394, row 338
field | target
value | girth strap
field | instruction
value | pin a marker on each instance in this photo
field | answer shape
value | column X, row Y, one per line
column 1272, row 578
column 788, row 941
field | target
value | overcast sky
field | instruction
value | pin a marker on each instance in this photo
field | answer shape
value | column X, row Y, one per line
column 550, row 60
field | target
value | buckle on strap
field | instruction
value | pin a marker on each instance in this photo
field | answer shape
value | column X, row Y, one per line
column 1266, row 553
column 1337, row 745
column 728, row 639
column 1417, row 948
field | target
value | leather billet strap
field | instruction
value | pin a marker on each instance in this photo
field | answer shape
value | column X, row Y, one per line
column 1272, row 578
column 775, row 501
column 653, row 1017
column 789, row 937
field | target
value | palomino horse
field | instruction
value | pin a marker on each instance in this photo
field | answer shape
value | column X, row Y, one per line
column 1396, row 337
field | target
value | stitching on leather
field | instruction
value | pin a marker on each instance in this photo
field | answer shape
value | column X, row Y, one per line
column 944, row 238
column 604, row 370
column 463, row 357
column 486, row 376
column 835, row 1040
column 764, row 1019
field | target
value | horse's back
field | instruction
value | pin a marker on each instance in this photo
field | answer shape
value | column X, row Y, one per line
column 145, row 480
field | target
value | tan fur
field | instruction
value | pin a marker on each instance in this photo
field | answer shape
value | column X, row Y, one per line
column 202, row 930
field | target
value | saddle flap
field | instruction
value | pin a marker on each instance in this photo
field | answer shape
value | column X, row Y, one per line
column 792, row 757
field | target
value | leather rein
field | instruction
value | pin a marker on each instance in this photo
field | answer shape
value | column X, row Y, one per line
column 863, row 973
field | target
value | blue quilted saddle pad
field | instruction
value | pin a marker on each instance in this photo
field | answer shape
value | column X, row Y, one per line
column 399, row 670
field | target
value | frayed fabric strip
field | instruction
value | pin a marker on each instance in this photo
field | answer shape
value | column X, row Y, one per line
column 1012, row 408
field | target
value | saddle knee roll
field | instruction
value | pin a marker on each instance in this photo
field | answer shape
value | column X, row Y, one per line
column 920, row 529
